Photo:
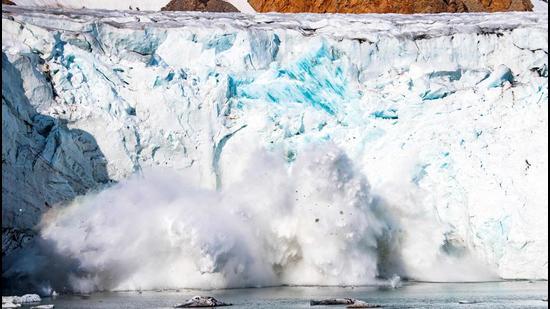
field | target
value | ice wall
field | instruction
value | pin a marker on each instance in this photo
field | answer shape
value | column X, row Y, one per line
column 445, row 115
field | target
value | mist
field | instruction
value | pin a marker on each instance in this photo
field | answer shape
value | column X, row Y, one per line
column 314, row 221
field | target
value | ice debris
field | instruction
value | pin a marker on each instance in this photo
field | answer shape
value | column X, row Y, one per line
column 16, row 301
column 362, row 304
column 202, row 301
column 333, row 301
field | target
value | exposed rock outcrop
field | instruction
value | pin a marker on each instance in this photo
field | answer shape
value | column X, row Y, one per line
column 8, row 2
column 390, row 6
column 200, row 5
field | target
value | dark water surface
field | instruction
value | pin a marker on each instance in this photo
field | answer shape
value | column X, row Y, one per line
column 510, row 294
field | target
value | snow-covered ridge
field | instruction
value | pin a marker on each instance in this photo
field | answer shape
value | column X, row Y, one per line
column 338, row 25
column 142, row 5
column 421, row 138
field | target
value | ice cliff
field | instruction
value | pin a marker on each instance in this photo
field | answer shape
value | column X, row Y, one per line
column 315, row 150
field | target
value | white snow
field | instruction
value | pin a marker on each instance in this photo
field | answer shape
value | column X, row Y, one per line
column 418, row 142
column 243, row 6
column 540, row 6
column 143, row 5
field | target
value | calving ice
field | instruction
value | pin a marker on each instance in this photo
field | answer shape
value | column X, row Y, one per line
column 260, row 150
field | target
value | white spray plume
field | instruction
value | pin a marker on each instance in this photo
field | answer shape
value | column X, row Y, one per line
column 312, row 222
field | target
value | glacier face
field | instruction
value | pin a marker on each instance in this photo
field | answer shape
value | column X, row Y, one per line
column 445, row 115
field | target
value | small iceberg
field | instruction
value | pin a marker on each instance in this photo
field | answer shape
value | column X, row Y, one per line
column 8, row 302
column 43, row 307
column 333, row 301
column 29, row 299
column 467, row 302
column 202, row 301
column 16, row 301
column 362, row 304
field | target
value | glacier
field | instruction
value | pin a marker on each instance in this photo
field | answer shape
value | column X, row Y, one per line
column 147, row 150
column 144, row 5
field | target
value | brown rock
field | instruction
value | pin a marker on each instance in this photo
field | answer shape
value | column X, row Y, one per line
column 200, row 5
column 390, row 6
column 7, row 2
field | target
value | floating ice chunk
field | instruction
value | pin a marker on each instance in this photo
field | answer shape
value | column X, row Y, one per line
column 467, row 302
column 29, row 298
column 8, row 299
column 333, row 301
column 43, row 307
column 202, row 301
column 25, row 299
column 362, row 304
column 10, row 302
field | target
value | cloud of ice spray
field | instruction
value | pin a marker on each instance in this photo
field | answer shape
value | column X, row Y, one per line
column 312, row 223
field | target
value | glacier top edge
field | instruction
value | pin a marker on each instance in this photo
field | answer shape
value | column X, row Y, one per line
column 347, row 25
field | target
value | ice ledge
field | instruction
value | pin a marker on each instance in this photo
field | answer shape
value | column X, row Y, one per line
column 352, row 26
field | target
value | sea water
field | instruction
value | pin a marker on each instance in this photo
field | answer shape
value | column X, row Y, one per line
column 507, row 294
